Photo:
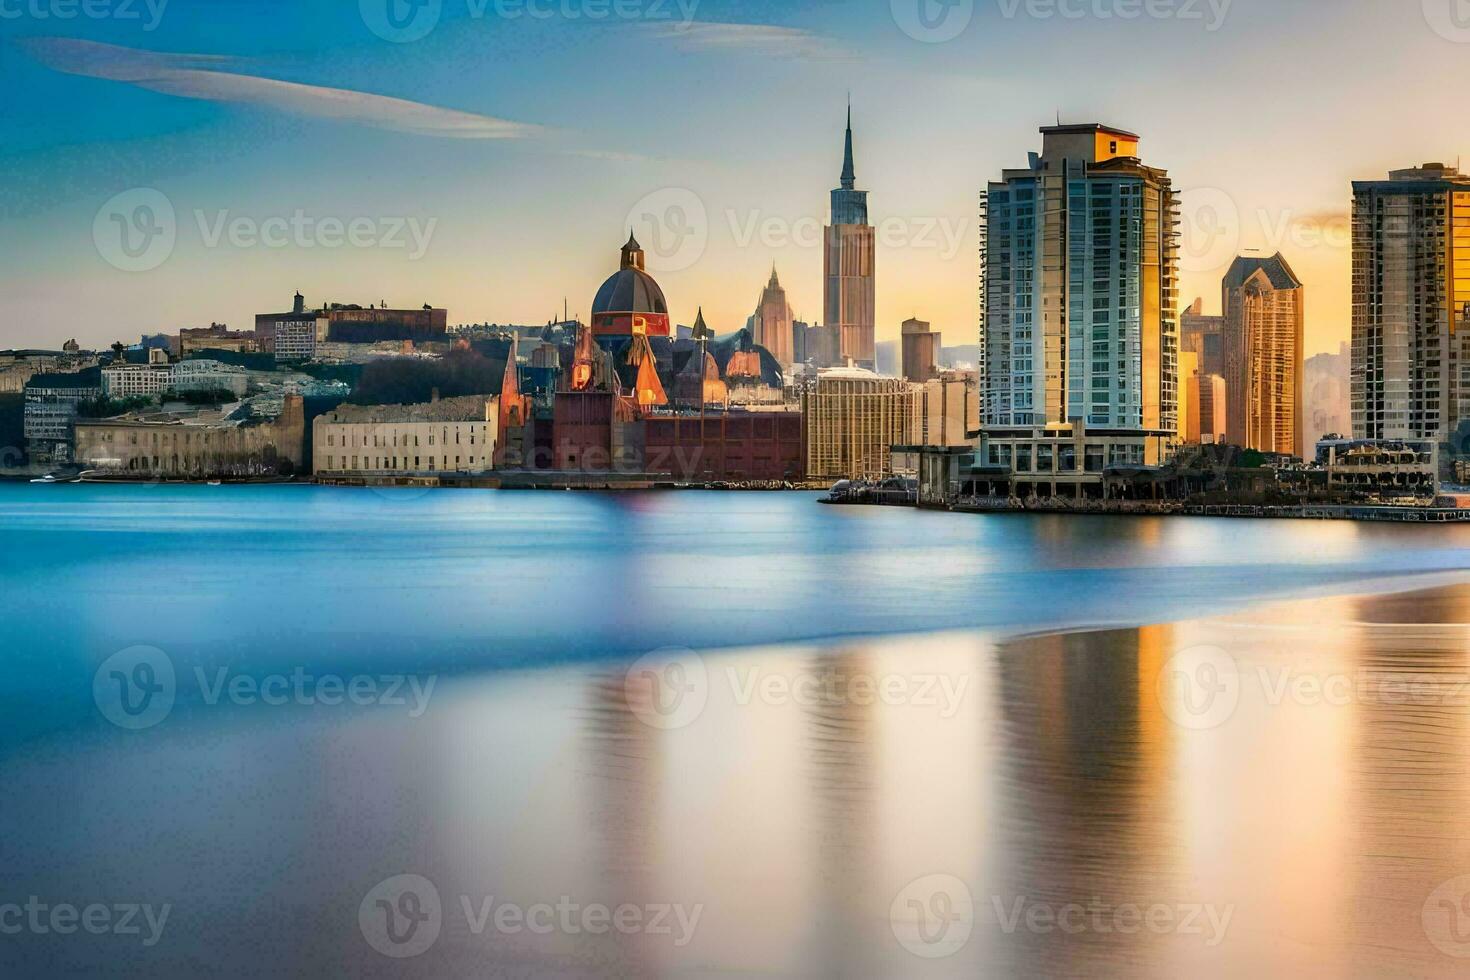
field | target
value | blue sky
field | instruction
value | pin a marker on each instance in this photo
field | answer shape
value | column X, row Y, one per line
column 494, row 164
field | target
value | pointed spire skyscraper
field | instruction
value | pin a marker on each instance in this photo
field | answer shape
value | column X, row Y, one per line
column 848, row 265
column 849, row 171
column 771, row 324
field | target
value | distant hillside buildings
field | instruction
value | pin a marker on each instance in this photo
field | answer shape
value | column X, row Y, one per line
column 298, row 335
column 18, row 366
column 216, row 336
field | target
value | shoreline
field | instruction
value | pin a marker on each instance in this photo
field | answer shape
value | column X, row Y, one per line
column 516, row 481
column 1363, row 513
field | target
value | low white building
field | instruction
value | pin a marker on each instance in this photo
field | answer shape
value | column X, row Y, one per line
column 451, row 435
column 138, row 380
column 158, row 376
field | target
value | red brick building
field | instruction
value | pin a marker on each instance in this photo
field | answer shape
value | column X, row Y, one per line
column 731, row 446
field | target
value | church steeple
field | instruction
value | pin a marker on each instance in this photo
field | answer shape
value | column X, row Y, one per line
column 701, row 329
column 849, row 172
column 632, row 254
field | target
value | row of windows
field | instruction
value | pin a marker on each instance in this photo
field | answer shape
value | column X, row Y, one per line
column 1043, row 458
column 353, row 438
column 382, row 463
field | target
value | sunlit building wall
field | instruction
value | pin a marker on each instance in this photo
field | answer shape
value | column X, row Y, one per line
column 1203, row 335
column 1411, row 284
column 921, row 347
column 1188, row 422
column 1078, row 326
column 853, row 419
column 1265, row 319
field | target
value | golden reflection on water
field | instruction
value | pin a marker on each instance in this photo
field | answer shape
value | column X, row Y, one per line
column 1302, row 831
column 1410, row 787
column 839, row 745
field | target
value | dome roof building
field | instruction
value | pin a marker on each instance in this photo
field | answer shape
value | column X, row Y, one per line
column 630, row 302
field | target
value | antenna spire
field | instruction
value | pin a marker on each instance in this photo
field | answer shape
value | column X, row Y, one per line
column 849, row 172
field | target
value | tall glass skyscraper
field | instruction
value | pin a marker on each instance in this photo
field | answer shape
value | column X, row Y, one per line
column 1411, row 293
column 1078, row 329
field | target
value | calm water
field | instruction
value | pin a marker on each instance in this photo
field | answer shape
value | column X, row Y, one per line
column 774, row 738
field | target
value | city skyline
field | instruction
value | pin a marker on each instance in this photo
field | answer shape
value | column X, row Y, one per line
column 118, row 107
column 803, row 488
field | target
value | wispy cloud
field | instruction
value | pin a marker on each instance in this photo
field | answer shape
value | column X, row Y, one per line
column 193, row 76
column 786, row 42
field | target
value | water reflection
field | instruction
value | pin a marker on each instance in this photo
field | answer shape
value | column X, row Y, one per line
column 1089, row 819
column 840, row 744
column 1307, row 828
column 1410, row 784
column 622, row 777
